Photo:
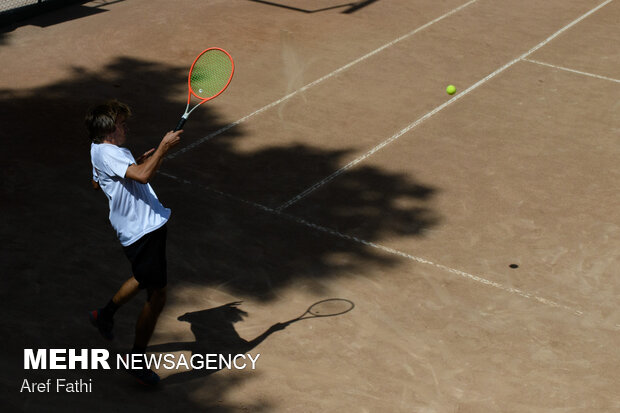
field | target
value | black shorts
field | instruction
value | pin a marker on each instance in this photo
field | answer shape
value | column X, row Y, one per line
column 148, row 259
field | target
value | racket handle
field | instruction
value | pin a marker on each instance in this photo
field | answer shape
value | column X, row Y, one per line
column 180, row 124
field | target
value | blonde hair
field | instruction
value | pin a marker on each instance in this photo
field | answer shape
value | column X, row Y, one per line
column 100, row 120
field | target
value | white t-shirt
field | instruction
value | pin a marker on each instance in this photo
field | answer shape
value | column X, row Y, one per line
column 134, row 207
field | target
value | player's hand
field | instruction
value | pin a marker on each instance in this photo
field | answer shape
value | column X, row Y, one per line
column 144, row 156
column 170, row 140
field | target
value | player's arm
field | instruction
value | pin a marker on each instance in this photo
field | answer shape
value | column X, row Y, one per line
column 145, row 156
column 146, row 170
column 95, row 184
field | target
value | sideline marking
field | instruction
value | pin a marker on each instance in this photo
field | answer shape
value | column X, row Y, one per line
column 316, row 82
column 436, row 110
column 572, row 70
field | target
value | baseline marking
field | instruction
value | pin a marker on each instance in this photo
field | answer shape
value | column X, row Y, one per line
column 436, row 110
column 572, row 70
column 316, row 82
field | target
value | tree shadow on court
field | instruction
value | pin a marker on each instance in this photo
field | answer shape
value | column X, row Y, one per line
column 61, row 257
column 303, row 245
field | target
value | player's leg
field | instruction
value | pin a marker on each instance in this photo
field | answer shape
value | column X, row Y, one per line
column 151, row 272
column 154, row 280
column 148, row 318
column 103, row 318
column 128, row 290
column 144, row 330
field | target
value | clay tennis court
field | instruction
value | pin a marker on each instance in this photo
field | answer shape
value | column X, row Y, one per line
column 334, row 166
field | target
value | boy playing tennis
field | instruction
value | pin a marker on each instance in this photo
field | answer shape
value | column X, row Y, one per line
column 137, row 216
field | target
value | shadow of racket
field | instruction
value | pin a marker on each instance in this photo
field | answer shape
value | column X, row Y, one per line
column 325, row 308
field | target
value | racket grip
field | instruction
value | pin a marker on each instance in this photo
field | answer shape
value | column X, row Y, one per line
column 180, row 124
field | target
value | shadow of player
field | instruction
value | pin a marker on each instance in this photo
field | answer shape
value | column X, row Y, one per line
column 215, row 334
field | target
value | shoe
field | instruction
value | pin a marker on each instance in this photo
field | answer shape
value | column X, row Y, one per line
column 103, row 325
column 145, row 376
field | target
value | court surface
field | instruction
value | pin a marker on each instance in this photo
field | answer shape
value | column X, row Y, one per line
column 335, row 165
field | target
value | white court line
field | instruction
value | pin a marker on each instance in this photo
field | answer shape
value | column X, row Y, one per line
column 316, row 82
column 439, row 266
column 572, row 70
column 392, row 251
column 436, row 110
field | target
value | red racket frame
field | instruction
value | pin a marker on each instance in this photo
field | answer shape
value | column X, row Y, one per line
column 191, row 92
column 189, row 77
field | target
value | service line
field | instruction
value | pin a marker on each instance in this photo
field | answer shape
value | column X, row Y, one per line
column 435, row 111
column 566, row 69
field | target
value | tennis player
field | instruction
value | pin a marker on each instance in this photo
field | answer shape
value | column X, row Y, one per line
column 138, row 217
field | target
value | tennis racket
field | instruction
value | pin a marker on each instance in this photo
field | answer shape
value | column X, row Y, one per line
column 325, row 308
column 209, row 76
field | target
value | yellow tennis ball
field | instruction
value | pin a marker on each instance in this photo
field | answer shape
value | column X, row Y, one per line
column 451, row 90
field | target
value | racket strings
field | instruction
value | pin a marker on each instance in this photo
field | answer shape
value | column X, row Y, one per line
column 211, row 74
